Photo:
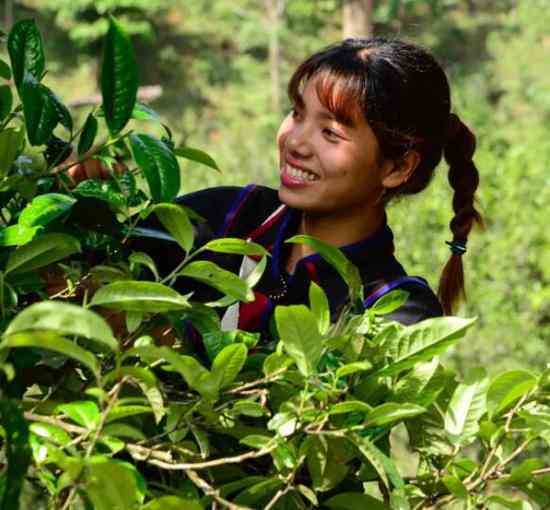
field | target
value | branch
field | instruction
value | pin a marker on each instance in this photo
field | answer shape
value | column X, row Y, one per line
column 144, row 95
column 157, row 458
column 210, row 491
column 210, row 463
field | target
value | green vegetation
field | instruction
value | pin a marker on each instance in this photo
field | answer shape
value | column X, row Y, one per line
column 100, row 410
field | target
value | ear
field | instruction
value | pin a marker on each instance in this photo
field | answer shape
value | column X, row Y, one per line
column 397, row 172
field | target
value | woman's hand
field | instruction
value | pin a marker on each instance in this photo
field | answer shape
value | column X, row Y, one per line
column 89, row 169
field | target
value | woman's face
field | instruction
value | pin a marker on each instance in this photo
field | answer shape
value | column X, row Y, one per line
column 327, row 167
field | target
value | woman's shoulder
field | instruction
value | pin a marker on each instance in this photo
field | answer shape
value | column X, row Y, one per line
column 422, row 302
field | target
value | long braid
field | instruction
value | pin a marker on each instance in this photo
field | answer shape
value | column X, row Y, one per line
column 464, row 179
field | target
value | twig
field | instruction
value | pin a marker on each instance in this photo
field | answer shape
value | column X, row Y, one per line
column 210, row 463
column 158, row 458
column 257, row 382
column 514, row 411
column 280, row 493
column 210, row 491
column 74, row 429
column 542, row 471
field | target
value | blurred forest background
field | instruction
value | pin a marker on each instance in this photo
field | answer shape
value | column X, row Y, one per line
column 216, row 71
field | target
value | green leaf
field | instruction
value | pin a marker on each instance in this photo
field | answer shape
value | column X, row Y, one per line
column 5, row 70
column 468, row 404
column 119, row 78
column 45, row 208
column 111, row 484
column 83, row 412
column 26, row 51
column 308, row 494
column 349, row 406
column 456, row 487
column 134, row 296
column 391, row 412
column 17, row 235
column 228, row 363
column 40, row 252
column 175, row 220
column 41, row 113
column 319, row 305
column 283, row 423
column 259, row 493
column 12, row 141
column 354, row 501
column 6, row 101
column 422, row 341
column 383, row 465
column 343, row 266
column 353, row 368
column 222, row 280
column 196, row 155
column 63, row 114
column 300, row 337
column 326, row 464
column 66, row 319
column 256, row 441
column 143, row 112
column 512, row 504
column 236, row 246
column 53, row 342
column 16, row 452
column 124, row 430
column 196, row 376
column 249, row 408
column 390, row 302
column 139, row 258
column 52, row 433
column 508, row 387
column 523, row 473
column 88, row 134
column 103, row 190
column 159, row 166
column 123, row 411
column 421, row 385
column 172, row 503
column 275, row 362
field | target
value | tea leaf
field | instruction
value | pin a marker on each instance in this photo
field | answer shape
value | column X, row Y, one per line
column 134, row 296
column 119, row 78
column 65, row 319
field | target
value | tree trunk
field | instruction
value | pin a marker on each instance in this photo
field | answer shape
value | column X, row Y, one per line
column 357, row 18
column 8, row 15
column 275, row 10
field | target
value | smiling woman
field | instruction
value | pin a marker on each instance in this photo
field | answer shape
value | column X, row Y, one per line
column 370, row 121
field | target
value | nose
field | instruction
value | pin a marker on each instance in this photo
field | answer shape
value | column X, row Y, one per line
column 298, row 141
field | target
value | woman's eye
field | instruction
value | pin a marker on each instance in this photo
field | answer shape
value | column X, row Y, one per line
column 294, row 112
column 331, row 135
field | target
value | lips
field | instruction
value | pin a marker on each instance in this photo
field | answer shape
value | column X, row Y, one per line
column 294, row 173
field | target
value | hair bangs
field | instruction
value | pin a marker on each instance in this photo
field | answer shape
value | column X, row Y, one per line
column 341, row 93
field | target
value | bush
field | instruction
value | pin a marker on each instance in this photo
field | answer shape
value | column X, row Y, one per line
column 105, row 403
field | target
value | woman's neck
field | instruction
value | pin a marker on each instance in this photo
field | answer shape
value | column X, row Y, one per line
column 335, row 229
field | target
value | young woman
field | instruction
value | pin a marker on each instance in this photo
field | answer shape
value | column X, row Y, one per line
column 370, row 122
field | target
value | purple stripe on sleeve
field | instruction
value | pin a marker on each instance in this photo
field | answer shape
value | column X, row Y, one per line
column 234, row 209
column 390, row 286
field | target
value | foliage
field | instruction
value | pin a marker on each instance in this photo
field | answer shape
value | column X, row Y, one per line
column 113, row 416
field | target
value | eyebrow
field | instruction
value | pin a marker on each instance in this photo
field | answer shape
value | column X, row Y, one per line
column 327, row 114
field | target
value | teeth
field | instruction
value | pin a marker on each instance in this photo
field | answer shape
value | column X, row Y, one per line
column 300, row 174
